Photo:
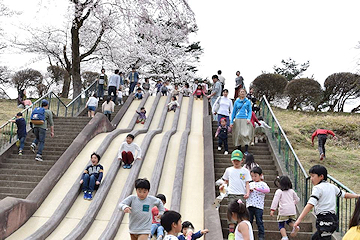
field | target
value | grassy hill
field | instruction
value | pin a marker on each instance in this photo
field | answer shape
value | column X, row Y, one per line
column 342, row 156
column 8, row 109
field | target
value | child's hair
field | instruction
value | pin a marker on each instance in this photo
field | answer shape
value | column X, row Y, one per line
column 142, row 108
column 161, row 197
column 187, row 224
column 239, row 208
column 131, row 136
column 139, row 89
column 94, row 95
column 260, row 118
column 199, row 87
column 283, row 182
column 223, row 119
column 142, row 183
column 108, row 99
column 225, row 90
column 168, row 218
column 257, row 170
column 355, row 219
column 187, row 85
column 249, row 161
column 19, row 114
column 319, row 170
column 173, row 97
column 97, row 155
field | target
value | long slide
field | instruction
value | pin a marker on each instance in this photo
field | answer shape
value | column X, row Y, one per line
column 173, row 161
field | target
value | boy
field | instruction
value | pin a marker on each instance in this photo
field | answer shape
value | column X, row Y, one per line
column 120, row 95
column 255, row 202
column 139, row 94
column 238, row 180
column 21, row 130
column 139, row 206
column 171, row 221
column 156, row 226
column 322, row 136
column 142, row 116
column 323, row 200
column 92, row 176
column 146, row 85
column 222, row 132
column 127, row 151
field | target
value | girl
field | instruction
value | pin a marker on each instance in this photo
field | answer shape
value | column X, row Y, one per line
column 142, row 116
column 175, row 92
column 92, row 104
column 223, row 107
column 199, row 92
column 173, row 104
column 187, row 231
column 286, row 199
column 354, row 225
column 250, row 162
column 237, row 211
column 222, row 132
column 108, row 107
column 120, row 95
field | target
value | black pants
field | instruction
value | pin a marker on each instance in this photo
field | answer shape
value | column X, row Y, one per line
column 225, row 141
column 326, row 224
column 112, row 89
column 322, row 140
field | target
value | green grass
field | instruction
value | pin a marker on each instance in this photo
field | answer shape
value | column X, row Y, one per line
column 343, row 155
column 8, row 110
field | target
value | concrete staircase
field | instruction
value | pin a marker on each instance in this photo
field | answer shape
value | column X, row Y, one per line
column 99, row 109
column 263, row 157
column 20, row 174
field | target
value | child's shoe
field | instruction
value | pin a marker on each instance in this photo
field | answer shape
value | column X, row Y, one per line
column 295, row 231
column 284, row 238
column 226, row 153
column 90, row 196
column 231, row 236
column 142, row 122
column 129, row 166
column 219, row 148
column 322, row 156
column 252, row 143
column 137, row 121
column 85, row 195
column 125, row 166
column 20, row 152
column 39, row 158
column 32, row 147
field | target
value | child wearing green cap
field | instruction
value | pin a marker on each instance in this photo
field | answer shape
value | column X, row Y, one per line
column 237, row 178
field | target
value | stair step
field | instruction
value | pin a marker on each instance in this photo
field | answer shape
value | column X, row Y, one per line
column 14, row 166
column 18, row 184
column 15, row 190
column 39, row 173
column 13, row 177
column 28, row 161
column 15, row 195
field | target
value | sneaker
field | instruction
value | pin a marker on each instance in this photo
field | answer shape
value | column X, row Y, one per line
column 39, row 158
column 252, row 143
column 125, row 166
column 322, row 156
column 20, row 152
column 129, row 166
column 284, row 238
column 295, row 231
column 90, row 197
column 231, row 236
column 246, row 153
column 142, row 122
column 226, row 153
column 86, row 195
column 32, row 147
column 219, row 148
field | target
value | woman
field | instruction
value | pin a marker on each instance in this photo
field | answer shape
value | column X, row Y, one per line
column 223, row 107
column 354, row 225
column 240, row 121
column 239, row 83
column 21, row 98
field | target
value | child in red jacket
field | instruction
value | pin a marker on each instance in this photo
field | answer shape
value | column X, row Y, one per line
column 322, row 136
column 199, row 92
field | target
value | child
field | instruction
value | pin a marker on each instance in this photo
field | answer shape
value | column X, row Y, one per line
column 138, row 94
column 158, row 86
column 92, row 176
column 188, row 232
column 21, row 130
column 195, row 85
column 173, row 104
column 253, row 121
column 222, row 133
column 250, row 162
column 139, row 207
column 120, row 95
column 175, row 91
column 171, row 221
column 322, row 136
column 127, row 151
column 164, row 89
column 199, row 92
column 108, row 107
column 92, row 104
column 237, row 212
column 126, row 88
column 255, row 202
column 146, row 85
column 156, row 226
column 186, row 91
column 286, row 199
column 354, row 225
column 238, row 179
column 323, row 199
column 142, row 116
column 259, row 130
column 205, row 86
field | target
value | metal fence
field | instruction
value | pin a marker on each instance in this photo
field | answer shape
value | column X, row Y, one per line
column 56, row 105
column 296, row 172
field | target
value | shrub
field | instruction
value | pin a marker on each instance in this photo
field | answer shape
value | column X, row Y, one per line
column 269, row 84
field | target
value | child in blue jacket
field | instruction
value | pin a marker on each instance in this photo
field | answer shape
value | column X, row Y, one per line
column 92, row 176
column 188, row 230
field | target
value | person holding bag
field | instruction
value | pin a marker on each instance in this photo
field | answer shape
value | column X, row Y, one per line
column 223, row 107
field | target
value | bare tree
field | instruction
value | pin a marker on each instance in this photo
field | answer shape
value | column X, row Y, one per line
column 27, row 78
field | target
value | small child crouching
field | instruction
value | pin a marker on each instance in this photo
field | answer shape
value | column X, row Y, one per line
column 187, row 231
column 222, row 132
column 127, row 151
column 92, row 176
column 138, row 94
column 142, row 116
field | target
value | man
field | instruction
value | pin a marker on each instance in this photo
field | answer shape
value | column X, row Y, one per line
column 322, row 136
column 40, row 131
column 133, row 79
column 239, row 83
column 102, row 81
column 114, row 83
column 215, row 93
column 222, row 81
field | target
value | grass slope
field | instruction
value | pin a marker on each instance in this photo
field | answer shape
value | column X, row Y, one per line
column 342, row 155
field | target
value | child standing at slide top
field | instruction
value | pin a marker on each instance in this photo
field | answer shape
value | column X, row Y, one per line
column 92, row 176
column 286, row 199
column 237, row 211
column 127, row 151
column 187, row 231
column 139, row 207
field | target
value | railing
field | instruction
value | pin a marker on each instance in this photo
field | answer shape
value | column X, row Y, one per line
column 56, row 105
column 296, row 172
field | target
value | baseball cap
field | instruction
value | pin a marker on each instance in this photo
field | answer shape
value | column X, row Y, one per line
column 44, row 102
column 236, row 155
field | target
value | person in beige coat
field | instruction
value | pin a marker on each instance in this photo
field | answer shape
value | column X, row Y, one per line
column 108, row 107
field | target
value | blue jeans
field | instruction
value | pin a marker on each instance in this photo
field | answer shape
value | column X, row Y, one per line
column 220, row 116
column 101, row 90
column 40, row 134
column 89, row 183
column 158, row 229
column 258, row 213
column 22, row 143
column 132, row 86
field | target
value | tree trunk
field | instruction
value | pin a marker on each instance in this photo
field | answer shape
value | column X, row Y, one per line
column 75, row 48
column 66, row 86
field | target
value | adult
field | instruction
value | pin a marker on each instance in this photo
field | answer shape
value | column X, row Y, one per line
column 215, row 93
column 222, row 80
column 133, row 79
column 239, row 84
column 102, row 83
column 21, row 98
column 114, row 83
column 322, row 136
column 223, row 107
column 241, row 121
column 40, row 131
column 122, row 79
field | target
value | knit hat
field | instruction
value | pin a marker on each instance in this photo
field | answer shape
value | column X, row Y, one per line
column 236, row 155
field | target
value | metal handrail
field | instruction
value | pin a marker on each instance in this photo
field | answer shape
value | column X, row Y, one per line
column 303, row 186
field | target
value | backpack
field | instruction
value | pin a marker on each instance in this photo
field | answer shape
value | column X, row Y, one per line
column 38, row 116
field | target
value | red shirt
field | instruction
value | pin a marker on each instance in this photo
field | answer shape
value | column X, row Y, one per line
column 199, row 92
column 155, row 213
column 321, row 131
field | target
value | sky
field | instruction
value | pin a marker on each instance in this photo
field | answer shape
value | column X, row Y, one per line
column 253, row 36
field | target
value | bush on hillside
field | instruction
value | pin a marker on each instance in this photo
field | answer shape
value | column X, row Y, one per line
column 304, row 92
column 269, row 84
